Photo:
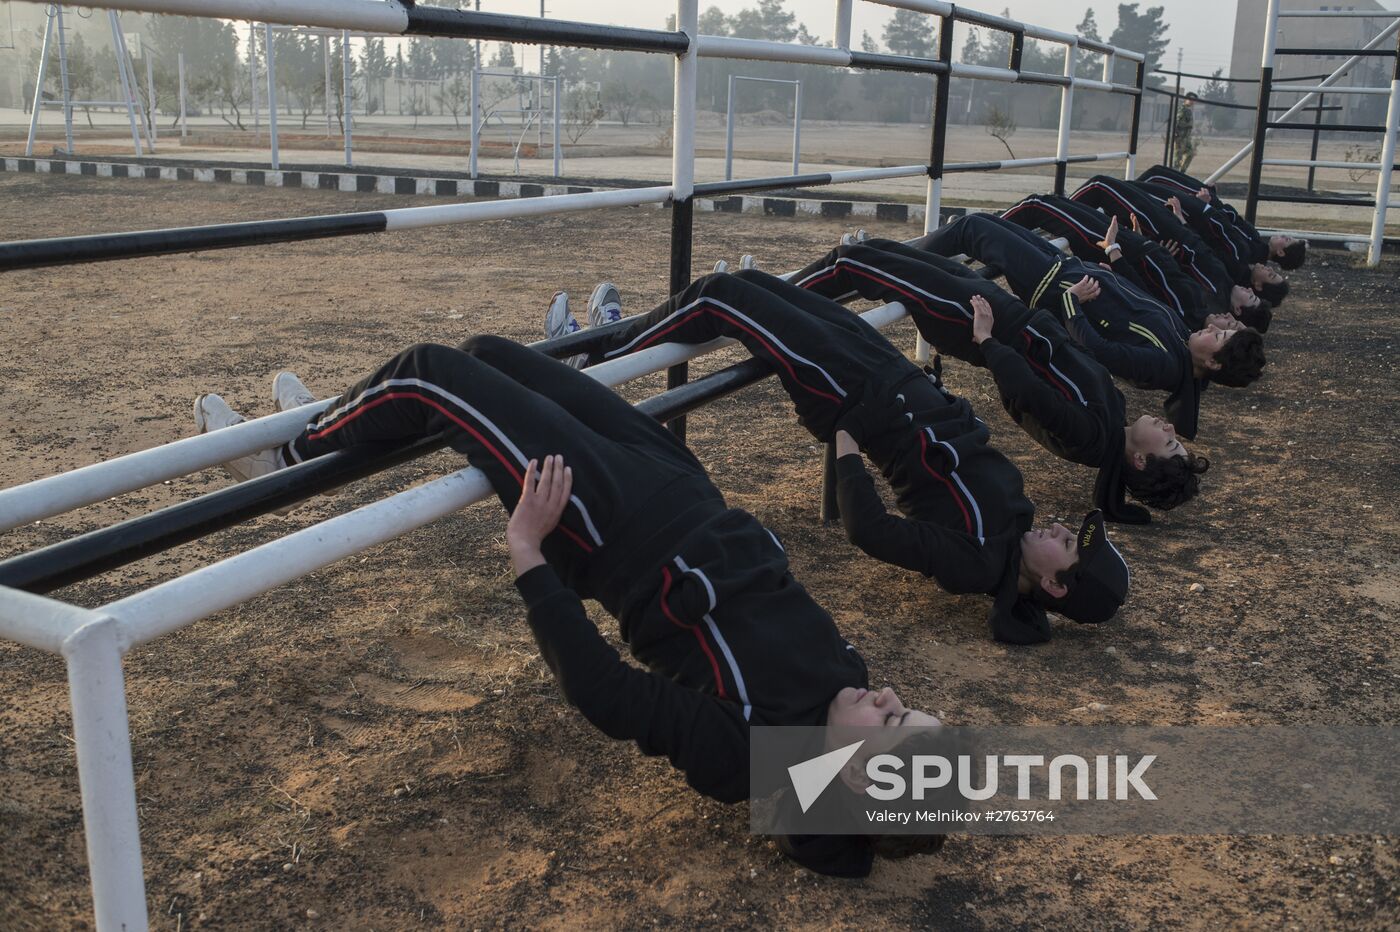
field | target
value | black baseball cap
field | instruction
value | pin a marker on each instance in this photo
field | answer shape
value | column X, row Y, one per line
column 1101, row 579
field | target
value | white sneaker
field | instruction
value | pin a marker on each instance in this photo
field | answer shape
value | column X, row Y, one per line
column 848, row 239
column 721, row 267
column 559, row 322
column 213, row 413
column 748, row 262
column 288, row 392
column 605, row 305
column 862, row 236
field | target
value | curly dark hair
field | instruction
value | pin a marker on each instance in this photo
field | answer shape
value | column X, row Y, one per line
column 1166, row 481
column 1294, row 254
column 1273, row 292
column 1241, row 359
column 1259, row 316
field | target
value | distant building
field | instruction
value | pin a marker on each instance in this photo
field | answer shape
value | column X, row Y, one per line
column 1311, row 32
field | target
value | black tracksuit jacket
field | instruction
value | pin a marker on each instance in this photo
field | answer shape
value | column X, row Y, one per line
column 1127, row 331
column 1255, row 246
column 702, row 592
column 962, row 502
column 1142, row 261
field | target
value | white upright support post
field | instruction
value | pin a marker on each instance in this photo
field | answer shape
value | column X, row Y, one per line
column 1066, row 116
column 326, row 60
column 558, row 153
column 128, row 92
column 1392, row 125
column 184, row 113
column 476, row 117
column 683, row 123
column 271, row 95
column 39, row 87
column 842, row 34
column 63, row 78
column 797, row 129
column 105, row 777
column 253, row 79
column 346, row 100
column 729, row 133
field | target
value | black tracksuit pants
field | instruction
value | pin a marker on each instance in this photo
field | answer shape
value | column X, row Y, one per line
column 502, row 404
column 936, row 291
column 1144, row 262
column 758, row 310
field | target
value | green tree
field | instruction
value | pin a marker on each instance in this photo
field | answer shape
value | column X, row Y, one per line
column 1089, row 65
column 910, row 33
column 1143, row 32
column 766, row 21
column 1221, row 118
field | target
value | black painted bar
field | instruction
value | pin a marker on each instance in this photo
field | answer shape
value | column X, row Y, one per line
column 1141, row 82
column 775, row 183
column 465, row 24
column 1330, row 127
column 580, row 341
column 102, row 247
column 1040, row 77
column 971, row 167
column 1318, row 199
column 1256, row 155
column 874, row 61
column 1018, row 49
column 1337, row 53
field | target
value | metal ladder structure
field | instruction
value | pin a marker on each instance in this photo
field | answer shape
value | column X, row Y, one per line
column 1384, row 45
column 54, row 28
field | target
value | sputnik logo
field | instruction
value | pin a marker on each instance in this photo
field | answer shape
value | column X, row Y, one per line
column 811, row 777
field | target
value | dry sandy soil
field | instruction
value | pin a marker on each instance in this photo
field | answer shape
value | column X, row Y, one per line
column 380, row 746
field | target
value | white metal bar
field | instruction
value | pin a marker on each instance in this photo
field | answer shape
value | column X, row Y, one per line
column 326, row 63
column 1066, row 109
column 361, row 15
column 63, row 78
column 347, row 100
column 1339, row 14
column 729, row 131
column 62, row 493
column 684, row 105
column 253, row 79
column 1392, row 124
column 1093, row 85
column 172, row 605
column 763, row 50
column 120, row 49
column 472, row 160
column 40, row 622
column 102, row 735
column 271, row 57
column 1327, row 83
column 983, row 73
column 39, row 86
column 842, row 32
column 1315, row 88
column 558, row 152
column 184, row 113
column 408, row 218
column 126, row 61
column 875, row 174
column 797, row 128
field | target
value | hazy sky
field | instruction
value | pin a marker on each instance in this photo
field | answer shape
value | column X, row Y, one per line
column 1206, row 41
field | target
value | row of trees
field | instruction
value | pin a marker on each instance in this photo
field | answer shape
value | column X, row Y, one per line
column 621, row 86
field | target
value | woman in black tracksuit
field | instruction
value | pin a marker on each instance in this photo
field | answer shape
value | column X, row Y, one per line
column 702, row 592
column 1055, row 391
column 968, row 522
column 1288, row 251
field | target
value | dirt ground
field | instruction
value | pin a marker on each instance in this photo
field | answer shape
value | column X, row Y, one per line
column 379, row 744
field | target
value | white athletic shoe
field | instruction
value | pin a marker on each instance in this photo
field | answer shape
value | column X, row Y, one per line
column 721, row 267
column 748, row 262
column 862, row 236
column 848, row 239
column 289, row 392
column 213, row 413
column 559, row 322
column 605, row 305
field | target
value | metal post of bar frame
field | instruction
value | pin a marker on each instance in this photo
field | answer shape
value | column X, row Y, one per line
column 1137, row 119
column 346, row 100
column 124, row 60
column 63, row 78
column 1392, row 125
column 1066, row 118
column 476, row 119
column 729, row 134
column 1169, row 143
column 797, row 130
column 102, row 736
column 150, row 97
column 39, row 87
column 933, row 202
column 1261, row 117
column 683, row 173
column 184, row 112
column 253, row 79
column 127, row 90
column 1316, row 135
column 326, row 61
column 841, row 35
column 558, row 153
column 271, row 95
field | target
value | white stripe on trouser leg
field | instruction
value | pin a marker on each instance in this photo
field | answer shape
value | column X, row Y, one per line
column 1050, row 361
column 953, row 473
column 719, row 638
